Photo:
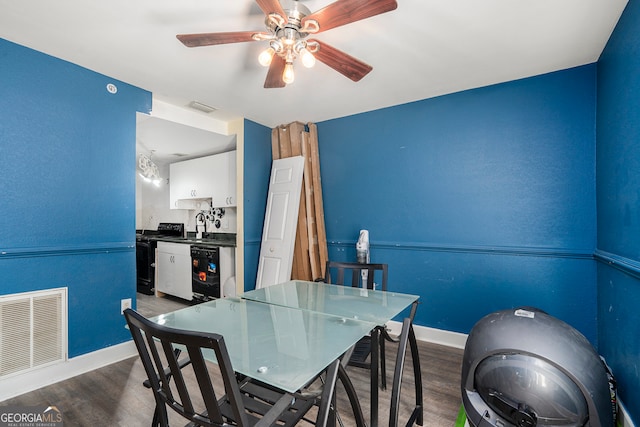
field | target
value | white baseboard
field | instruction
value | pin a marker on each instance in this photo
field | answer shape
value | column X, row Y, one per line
column 432, row 335
column 23, row 383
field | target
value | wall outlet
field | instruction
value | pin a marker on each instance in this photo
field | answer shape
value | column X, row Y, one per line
column 124, row 304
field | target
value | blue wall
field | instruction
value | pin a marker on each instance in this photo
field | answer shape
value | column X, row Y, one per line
column 478, row 201
column 618, row 196
column 486, row 199
column 257, row 169
column 67, row 165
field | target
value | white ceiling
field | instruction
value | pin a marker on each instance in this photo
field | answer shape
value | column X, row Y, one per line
column 168, row 141
column 423, row 49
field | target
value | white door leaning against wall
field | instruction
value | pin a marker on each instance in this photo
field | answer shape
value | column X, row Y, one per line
column 280, row 221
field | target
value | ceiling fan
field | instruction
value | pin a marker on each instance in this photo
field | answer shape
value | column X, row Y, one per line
column 287, row 34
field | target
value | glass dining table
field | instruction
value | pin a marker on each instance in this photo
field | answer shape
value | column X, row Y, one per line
column 347, row 304
column 278, row 345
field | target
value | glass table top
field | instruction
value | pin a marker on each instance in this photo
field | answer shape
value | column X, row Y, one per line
column 344, row 301
column 281, row 346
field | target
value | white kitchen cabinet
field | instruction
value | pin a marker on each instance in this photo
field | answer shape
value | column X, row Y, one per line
column 210, row 177
column 189, row 181
column 224, row 189
column 173, row 269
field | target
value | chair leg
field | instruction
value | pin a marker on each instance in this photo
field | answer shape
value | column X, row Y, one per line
column 407, row 338
column 383, row 363
column 356, row 409
column 417, row 373
column 375, row 367
column 327, row 394
column 159, row 416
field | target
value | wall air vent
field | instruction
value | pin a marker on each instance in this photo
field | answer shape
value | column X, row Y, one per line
column 33, row 330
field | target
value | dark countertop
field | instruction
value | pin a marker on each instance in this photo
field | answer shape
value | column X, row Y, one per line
column 209, row 242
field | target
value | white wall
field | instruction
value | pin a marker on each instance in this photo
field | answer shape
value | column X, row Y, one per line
column 152, row 204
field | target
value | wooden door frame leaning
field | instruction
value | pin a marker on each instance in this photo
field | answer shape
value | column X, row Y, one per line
column 310, row 253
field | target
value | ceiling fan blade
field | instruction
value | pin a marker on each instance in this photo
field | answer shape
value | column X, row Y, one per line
column 344, row 12
column 208, row 39
column 272, row 6
column 274, row 75
column 343, row 63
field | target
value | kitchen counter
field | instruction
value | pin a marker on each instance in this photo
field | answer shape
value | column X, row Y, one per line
column 210, row 240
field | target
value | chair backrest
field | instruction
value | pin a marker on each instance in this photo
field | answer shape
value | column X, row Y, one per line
column 156, row 345
column 350, row 274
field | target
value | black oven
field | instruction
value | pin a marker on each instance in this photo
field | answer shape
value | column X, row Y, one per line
column 146, row 243
column 205, row 272
column 145, row 265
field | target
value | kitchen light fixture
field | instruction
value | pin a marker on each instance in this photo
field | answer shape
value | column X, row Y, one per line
column 287, row 40
column 148, row 170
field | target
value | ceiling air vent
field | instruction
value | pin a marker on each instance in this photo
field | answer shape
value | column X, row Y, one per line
column 201, row 107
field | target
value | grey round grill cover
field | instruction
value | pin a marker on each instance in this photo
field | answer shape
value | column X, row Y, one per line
column 525, row 368
column 505, row 382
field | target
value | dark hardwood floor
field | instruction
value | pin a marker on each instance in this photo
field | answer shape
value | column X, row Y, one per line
column 114, row 395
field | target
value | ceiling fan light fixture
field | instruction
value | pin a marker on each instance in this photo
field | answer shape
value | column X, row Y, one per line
column 307, row 58
column 289, row 36
column 287, row 27
column 287, row 75
column 266, row 56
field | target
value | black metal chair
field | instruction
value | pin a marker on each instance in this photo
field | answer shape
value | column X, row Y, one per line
column 244, row 404
column 335, row 272
column 182, row 362
column 407, row 338
column 350, row 274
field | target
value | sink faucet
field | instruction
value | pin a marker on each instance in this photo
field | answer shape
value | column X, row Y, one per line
column 201, row 217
